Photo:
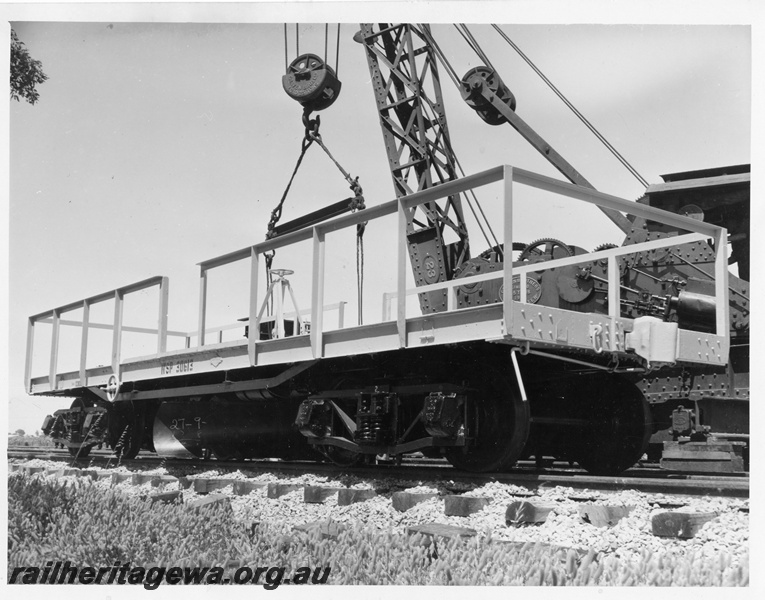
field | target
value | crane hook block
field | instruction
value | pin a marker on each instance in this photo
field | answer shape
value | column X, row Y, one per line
column 480, row 82
column 311, row 82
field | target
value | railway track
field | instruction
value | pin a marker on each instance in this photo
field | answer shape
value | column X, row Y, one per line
column 642, row 510
column 643, row 479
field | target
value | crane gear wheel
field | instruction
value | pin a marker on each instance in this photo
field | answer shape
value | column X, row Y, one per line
column 494, row 254
column 607, row 246
column 499, row 250
column 552, row 249
column 692, row 211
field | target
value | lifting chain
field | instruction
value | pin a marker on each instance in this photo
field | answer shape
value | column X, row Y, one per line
column 310, row 136
column 311, row 129
column 311, row 133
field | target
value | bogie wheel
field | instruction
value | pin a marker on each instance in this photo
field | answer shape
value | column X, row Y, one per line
column 620, row 428
column 500, row 426
column 126, row 447
column 227, row 453
column 341, row 457
column 80, row 451
column 82, row 403
column 126, row 430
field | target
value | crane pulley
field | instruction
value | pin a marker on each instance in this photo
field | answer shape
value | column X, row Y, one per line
column 309, row 79
column 312, row 82
column 472, row 84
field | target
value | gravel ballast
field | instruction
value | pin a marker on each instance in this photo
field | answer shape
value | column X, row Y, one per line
column 628, row 539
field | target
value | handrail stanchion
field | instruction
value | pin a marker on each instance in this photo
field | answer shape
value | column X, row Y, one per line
column 721, row 281
column 30, row 354
column 202, row 306
column 164, row 295
column 317, row 294
column 117, row 337
column 614, row 298
column 386, row 306
column 507, row 279
column 254, row 328
column 614, row 288
column 401, row 275
column 52, row 380
column 84, row 342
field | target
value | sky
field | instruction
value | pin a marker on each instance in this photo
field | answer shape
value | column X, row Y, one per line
column 157, row 145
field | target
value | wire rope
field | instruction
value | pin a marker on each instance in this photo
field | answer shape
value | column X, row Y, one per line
column 453, row 76
column 473, row 43
column 441, row 56
column 565, row 100
column 286, row 62
column 337, row 52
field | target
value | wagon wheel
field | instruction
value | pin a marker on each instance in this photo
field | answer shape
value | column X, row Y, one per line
column 334, row 454
column 500, row 426
column 341, row 457
column 228, row 452
column 126, row 426
column 619, row 430
column 82, row 450
column 126, row 446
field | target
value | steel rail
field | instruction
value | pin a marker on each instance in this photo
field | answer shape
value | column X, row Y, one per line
column 638, row 479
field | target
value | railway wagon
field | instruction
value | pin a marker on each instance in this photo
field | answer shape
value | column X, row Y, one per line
column 481, row 384
column 598, row 357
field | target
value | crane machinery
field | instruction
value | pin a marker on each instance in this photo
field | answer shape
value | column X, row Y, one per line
column 597, row 357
